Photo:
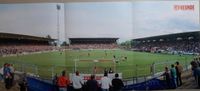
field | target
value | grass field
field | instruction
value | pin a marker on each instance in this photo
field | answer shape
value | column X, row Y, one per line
column 137, row 63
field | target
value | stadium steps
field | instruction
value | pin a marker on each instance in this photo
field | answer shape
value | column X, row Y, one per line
column 188, row 81
column 14, row 88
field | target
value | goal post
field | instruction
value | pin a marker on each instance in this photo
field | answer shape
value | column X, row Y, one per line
column 157, row 68
column 93, row 66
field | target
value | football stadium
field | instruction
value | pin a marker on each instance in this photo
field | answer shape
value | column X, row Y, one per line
column 37, row 55
column 40, row 56
column 99, row 46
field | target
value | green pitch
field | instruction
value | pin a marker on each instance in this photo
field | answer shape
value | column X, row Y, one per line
column 136, row 64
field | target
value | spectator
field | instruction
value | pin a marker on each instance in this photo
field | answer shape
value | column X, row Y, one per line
column 194, row 64
column 12, row 70
column 173, row 75
column 7, row 76
column 77, row 82
column 1, row 74
column 23, row 85
column 105, row 83
column 167, row 77
column 179, row 70
column 63, row 82
column 55, row 82
column 196, row 71
column 92, row 84
column 117, row 83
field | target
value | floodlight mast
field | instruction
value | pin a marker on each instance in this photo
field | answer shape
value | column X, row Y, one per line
column 58, row 7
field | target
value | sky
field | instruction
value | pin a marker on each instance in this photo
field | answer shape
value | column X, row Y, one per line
column 103, row 19
column 159, row 18
column 125, row 20
column 37, row 19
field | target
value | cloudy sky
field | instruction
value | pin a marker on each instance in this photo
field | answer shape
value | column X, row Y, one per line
column 125, row 20
column 31, row 19
column 99, row 20
column 158, row 18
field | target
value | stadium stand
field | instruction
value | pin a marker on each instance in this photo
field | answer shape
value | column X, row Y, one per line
column 93, row 43
column 187, row 43
column 17, row 44
column 179, row 43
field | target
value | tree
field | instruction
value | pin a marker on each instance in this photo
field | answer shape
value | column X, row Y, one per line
column 64, row 43
column 126, row 44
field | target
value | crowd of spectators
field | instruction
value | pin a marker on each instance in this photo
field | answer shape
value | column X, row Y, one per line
column 187, row 47
column 19, row 49
column 172, row 76
column 63, row 83
column 7, row 75
column 93, row 46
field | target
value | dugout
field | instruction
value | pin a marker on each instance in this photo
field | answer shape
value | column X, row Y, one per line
column 93, row 40
column 176, row 37
column 19, row 39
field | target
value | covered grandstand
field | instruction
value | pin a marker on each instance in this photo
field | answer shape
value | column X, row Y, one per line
column 11, row 44
column 93, row 40
column 187, row 42
column 17, row 39
column 93, row 43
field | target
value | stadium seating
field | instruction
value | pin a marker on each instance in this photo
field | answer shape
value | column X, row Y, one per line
column 184, row 47
column 93, row 46
column 12, row 49
column 19, row 49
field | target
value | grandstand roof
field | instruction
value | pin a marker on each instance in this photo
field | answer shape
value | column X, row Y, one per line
column 20, row 36
column 92, row 40
column 171, row 37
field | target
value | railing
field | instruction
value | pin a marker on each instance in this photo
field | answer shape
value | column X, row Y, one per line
column 137, row 81
column 149, row 84
column 130, row 72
